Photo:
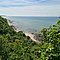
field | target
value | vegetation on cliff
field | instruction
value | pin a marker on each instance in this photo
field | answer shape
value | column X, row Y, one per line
column 17, row 46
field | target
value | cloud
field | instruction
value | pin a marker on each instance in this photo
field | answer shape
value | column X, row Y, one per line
column 30, row 7
column 57, row 0
column 33, row 1
column 19, row 3
column 30, row 1
column 51, row 10
column 22, row 3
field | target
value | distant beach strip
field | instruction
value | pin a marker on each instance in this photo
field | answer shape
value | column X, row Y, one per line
column 27, row 34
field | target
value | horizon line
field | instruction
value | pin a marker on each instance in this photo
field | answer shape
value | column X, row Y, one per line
column 31, row 15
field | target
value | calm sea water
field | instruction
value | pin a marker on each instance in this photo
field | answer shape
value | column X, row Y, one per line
column 32, row 24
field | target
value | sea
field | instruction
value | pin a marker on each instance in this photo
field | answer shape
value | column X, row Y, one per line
column 30, row 24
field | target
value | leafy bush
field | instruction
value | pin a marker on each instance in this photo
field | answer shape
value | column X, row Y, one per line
column 51, row 48
column 17, row 46
column 13, row 45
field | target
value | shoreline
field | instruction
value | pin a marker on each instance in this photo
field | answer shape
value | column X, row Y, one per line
column 27, row 34
column 32, row 37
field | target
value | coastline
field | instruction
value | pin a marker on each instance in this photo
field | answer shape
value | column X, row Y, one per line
column 27, row 34
column 32, row 37
column 8, row 22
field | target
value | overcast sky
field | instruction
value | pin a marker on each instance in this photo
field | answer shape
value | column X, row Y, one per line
column 30, row 7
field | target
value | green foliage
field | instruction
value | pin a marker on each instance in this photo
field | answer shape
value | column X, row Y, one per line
column 38, row 35
column 18, row 46
column 59, row 16
column 28, row 37
column 51, row 48
column 58, row 23
column 44, row 30
column 14, row 45
column 42, row 34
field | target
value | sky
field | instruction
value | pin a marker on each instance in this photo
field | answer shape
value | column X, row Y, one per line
column 30, row 7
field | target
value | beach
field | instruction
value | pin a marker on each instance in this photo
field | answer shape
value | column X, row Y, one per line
column 32, row 37
column 27, row 34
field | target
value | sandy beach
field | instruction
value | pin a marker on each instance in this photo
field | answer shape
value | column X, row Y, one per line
column 32, row 37
column 27, row 34
column 8, row 22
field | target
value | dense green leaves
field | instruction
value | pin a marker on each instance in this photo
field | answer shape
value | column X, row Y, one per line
column 51, row 48
column 18, row 46
column 15, row 45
